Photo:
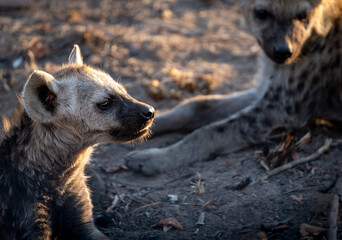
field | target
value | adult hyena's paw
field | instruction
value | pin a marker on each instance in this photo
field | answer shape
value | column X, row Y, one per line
column 149, row 162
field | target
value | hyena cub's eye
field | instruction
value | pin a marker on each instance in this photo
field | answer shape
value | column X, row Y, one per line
column 105, row 105
column 261, row 14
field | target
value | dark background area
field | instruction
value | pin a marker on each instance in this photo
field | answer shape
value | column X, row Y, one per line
column 164, row 51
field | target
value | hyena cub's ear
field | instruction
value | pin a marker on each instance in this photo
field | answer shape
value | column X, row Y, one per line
column 75, row 56
column 40, row 96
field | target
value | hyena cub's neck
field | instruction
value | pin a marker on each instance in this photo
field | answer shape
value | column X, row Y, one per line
column 29, row 145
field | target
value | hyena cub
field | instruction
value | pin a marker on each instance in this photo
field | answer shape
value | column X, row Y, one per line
column 48, row 142
column 299, row 79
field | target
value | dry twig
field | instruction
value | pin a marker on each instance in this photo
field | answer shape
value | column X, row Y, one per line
column 312, row 157
column 153, row 205
column 334, row 210
column 332, row 218
column 116, row 191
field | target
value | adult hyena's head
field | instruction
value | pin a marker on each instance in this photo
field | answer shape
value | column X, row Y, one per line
column 88, row 102
column 282, row 27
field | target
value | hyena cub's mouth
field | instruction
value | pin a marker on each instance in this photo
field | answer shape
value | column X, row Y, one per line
column 128, row 135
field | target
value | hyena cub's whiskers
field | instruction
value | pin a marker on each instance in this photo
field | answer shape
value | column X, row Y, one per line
column 48, row 142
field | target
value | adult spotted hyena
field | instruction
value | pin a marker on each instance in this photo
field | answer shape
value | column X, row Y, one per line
column 48, row 142
column 300, row 78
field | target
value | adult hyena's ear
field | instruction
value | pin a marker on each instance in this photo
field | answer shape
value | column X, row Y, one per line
column 75, row 56
column 40, row 96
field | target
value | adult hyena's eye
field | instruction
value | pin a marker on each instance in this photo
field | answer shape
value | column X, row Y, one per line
column 105, row 105
column 302, row 16
column 261, row 14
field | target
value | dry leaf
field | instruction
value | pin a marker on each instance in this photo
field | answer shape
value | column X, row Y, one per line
column 200, row 220
column 306, row 230
column 228, row 163
column 242, row 184
column 282, row 153
column 206, row 83
column 38, row 48
column 115, row 169
column 46, row 27
column 280, row 227
column 322, row 122
column 198, row 184
column 279, row 155
column 299, row 199
column 207, row 205
column 75, row 16
column 168, row 223
column 167, row 14
column 155, row 90
column 305, row 140
column 166, row 228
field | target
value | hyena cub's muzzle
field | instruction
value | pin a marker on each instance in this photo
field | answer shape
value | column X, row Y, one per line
column 136, row 118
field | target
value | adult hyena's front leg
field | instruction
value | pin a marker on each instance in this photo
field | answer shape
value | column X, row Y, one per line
column 202, row 110
column 250, row 126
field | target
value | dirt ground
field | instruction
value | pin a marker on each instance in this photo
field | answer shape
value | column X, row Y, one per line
column 165, row 51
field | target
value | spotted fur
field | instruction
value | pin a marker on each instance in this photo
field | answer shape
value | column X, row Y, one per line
column 47, row 144
column 299, row 79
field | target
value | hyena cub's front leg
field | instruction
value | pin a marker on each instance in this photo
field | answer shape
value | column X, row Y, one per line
column 249, row 126
column 76, row 215
column 42, row 228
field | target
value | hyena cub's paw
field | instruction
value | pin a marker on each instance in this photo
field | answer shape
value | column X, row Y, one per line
column 149, row 162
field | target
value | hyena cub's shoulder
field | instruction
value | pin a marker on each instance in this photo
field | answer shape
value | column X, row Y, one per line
column 48, row 142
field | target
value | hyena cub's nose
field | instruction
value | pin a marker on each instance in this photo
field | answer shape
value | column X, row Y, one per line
column 147, row 112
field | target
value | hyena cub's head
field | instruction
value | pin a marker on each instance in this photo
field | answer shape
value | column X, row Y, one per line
column 282, row 27
column 88, row 101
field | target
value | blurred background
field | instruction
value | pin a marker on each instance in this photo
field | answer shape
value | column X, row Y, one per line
column 165, row 51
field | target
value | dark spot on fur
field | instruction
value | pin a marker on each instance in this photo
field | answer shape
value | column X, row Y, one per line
column 312, row 106
column 242, row 131
column 298, row 107
column 250, row 120
column 212, row 156
column 26, row 129
column 315, row 80
column 306, row 96
column 270, row 106
column 289, row 92
column 322, row 47
column 300, row 87
column 304, row 75
column 314, row 48
column 275, row 97
column 267, row 95
column 288, row 109
column 257, row 110
column 291, row 80
column 266, row 122
column 220, row 129
column 336, row 61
